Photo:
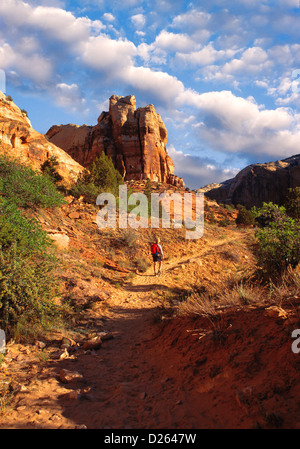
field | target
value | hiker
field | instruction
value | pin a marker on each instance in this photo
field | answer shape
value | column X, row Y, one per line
column 157, row 255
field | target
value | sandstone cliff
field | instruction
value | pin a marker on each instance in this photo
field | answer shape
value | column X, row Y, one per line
column 258, row 183
column 18, row 139
column 135, row 140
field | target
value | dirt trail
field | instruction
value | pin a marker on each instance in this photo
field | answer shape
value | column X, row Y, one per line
column 157, row 374
column 121, row 387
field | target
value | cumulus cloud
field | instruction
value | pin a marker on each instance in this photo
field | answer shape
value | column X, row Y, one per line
column 50, row 45
column 204, row 56
column 237, row 125
column 69, row 96
column 56, row 23
column 162, row 86
column 109, row 17
column 138, row 20
column 106, row 54
column 173, row 41
column 33, row 66
column 199, row 171
column 192, row 20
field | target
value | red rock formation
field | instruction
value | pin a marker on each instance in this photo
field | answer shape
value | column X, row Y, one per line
column 20, row 140
column 135, row 140
column 258, row 183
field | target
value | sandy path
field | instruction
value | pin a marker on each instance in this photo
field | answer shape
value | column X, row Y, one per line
column 124, row 384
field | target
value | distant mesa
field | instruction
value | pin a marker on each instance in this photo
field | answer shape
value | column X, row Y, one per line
column 258, row 183
column 135, row 140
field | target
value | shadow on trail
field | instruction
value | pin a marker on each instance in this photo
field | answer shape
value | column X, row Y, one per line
column 145, row 287
column 115, row 378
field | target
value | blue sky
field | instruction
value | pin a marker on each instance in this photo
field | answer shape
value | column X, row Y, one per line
column 220, row 73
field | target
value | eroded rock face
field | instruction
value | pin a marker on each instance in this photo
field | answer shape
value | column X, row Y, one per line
column 135, row 139
column 259, row 183
column 18, row 139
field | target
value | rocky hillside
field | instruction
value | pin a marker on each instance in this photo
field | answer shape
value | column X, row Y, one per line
column 258, row 183
column 20, row 140
column 135, row 140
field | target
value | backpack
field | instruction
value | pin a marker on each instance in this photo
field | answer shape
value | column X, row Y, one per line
column 154, row 249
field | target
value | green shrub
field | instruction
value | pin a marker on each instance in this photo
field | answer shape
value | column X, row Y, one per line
column 86, row 189
column 101, row 177
column 26, row 291
column 25, row 187
column 279, row 245
column 268, row 213
column 292, row 203
column 27, row 235
column 49, row 169
column 245, row 217
column 27, row 284
column 224, row 222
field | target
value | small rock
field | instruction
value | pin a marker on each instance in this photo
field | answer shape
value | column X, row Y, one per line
column 64, row 355
column 93, row 343
column 61, row 240
column 105, row 336
column 74, row 215
column 276, row 312
column 72, row 395
column 67, row 376
column 40, row 344
column 15, row 386
column 67, row 342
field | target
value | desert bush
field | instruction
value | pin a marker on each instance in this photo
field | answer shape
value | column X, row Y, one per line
column 27, row 284
column 245, row 217
column 292, row 203
column 268, row 213
column 26, row 234
column 224, row 222
column 142, row 264
column 25, row 187
column 24, row 112
column 49, row 168
column 86, row 189
column 26, row 291
column 129, row 237
column 101, row 177
column 279, row 245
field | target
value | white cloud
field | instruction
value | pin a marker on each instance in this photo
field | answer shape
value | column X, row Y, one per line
column 106, row 54
column 33, row 66
column 69, row 96
column 173, row 41
column 238, row 125
column 206, row 55
column 159, row 84
column 199, row 171
column 192, row 20
column 54, row 22
column 253, row 60
column 138, row 20
column 109, row 17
